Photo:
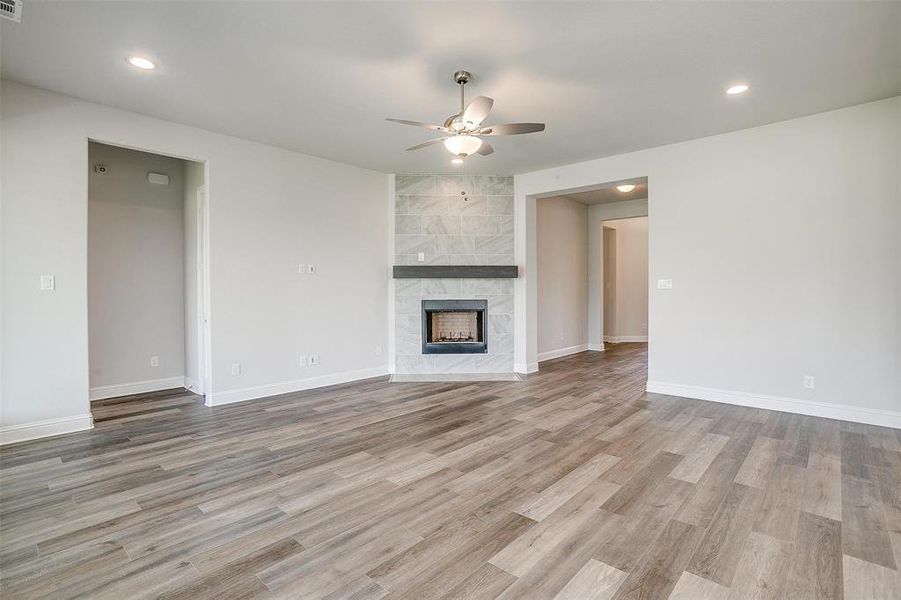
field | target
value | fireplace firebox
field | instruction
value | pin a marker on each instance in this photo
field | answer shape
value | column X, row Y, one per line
column 454, row 326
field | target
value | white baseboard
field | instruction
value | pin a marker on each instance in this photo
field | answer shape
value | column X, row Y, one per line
column 137, row 387
column 596, row 347
column 616, row 339
column 842, row 412
column 525, row 368
column 543, row 356
column 286, row 387
column 40, row 429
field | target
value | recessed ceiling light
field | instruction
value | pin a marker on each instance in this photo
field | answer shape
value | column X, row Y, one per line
column 625, row 188
column 738, row 88
column 141, row 62
column 457, row 161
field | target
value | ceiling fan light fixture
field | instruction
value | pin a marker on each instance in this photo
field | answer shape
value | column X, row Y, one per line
column 462, row 144
column 626, row 188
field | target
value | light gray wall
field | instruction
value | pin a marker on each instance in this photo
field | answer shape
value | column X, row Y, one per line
column 432, row 217
column 270, row 209
column 136, row 297
column 782, row 244
column 562, row 275
column 631, row 272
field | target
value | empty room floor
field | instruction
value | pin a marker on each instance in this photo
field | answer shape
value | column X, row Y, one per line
column 573, row 484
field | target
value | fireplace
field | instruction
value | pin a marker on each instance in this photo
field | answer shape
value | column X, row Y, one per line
column 454, row 326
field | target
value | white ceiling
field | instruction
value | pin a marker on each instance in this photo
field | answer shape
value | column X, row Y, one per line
column 321, row 77
column 607, row 192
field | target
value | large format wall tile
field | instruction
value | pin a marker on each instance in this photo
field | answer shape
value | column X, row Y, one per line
column 455, row 363
column 414, row 184
column 493, row 244
column 406, row 224
column 481, row 225
column 427, row 205
column 495, row 186
column 471, row 205
column 441, row 224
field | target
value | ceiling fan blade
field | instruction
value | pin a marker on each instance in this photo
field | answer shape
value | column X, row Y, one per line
column 485, row 149
column 478, row 109
column 424, row 144
column 417, row 124
column 511, row 129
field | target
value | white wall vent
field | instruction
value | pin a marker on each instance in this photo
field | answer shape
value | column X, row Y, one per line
column 158, row 178
column 11, row 9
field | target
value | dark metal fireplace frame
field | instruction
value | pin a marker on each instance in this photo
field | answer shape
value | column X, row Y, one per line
column 429, row 306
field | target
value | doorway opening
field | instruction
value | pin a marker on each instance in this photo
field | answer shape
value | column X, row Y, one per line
column 592, row 268
column 625, row 243
column 147, row 284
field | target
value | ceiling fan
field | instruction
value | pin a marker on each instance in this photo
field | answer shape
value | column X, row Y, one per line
column 463, row 131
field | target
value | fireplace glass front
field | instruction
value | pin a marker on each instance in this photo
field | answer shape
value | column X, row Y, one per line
column 454, row 326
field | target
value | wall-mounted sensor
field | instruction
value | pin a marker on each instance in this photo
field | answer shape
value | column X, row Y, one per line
column 101, row 169
column 158, row 178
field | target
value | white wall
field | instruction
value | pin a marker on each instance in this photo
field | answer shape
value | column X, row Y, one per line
column 562, row 277
column 270, row 209
column 631, row 272
column 136, row 298
column 782, row 243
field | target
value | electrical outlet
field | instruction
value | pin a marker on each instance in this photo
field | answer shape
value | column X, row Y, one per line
column 303, row 360
column 421, row 257
column 154, row 361
column 314, row 359
column 809, row 382
column 48, row 283
column 311, row 269
column 561, row 336
column 236, row 369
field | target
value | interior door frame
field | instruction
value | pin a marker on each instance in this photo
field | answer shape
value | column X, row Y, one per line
column 203, row 317
column 204, row 342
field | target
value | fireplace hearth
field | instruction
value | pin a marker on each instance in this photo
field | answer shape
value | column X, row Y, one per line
column 454, row 326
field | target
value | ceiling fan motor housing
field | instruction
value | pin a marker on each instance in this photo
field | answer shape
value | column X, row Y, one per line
column 462, row 77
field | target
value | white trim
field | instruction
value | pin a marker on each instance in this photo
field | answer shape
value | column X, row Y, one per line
column 842, row 412
column 41, row 429
column 596, row 347
column 525, row 368
column 391, row 340
column 562, row 352
column 616, row 339
column 138, row 387
column 286, row 387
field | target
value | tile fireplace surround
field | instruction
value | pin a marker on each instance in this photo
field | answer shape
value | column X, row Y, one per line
column 432, row 217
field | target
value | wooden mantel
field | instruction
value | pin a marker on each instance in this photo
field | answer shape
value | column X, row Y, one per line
column 456, row 271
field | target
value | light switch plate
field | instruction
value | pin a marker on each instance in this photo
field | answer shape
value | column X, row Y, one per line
column 664, row 284
column 48, row 282
column 302, row 269
column 314, row 359
column 311, row 269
